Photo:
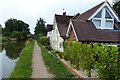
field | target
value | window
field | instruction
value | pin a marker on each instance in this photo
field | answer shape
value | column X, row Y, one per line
column 60, row 45
column 109, row 24
column 99, row 14
column 103, row 19
column 107, row 15
column 97, row 23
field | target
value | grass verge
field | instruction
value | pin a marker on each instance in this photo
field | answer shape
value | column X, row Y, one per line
column 54, row 65
column 23, row 67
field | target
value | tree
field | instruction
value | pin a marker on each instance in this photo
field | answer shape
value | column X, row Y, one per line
column 40, row 27
column 116, row 7
column 16, row 34
column 15, row 27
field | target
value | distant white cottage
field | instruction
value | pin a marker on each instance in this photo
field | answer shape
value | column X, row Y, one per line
column 100, row 24
column 49, row 29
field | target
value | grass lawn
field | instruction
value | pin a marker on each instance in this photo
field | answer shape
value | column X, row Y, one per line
column 54, row 65
column 23, row 67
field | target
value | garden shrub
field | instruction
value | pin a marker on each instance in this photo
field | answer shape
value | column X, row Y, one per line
column 48, row 47
column 30, row 39
column 38, row 36
column 93, row 56
column 45, row 41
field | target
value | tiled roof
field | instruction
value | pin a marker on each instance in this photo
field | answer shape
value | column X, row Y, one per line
column 86, row 31
column 78, row 14
column 89, row 13
column 49, row 27
column 62, row 21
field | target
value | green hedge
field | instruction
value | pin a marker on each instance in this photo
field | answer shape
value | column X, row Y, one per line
column 94, row 56
column 23, row 67
column 45, row 41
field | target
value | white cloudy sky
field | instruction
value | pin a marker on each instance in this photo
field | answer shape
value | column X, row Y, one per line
column 31, row 10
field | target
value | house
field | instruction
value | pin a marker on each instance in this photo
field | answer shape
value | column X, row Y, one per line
column 49, row 29
column 99, row 24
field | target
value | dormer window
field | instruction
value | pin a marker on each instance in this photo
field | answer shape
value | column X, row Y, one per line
column 103, row 19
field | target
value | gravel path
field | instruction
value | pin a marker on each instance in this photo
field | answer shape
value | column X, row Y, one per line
column 38, row 66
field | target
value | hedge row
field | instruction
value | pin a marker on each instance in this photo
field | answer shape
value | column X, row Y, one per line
column 94, row 56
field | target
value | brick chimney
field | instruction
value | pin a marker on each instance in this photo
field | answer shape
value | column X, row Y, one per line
column 64, row 13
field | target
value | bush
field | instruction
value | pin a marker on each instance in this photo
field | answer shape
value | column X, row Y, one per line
column 5, row 39
column 48, row 48
column 59, row 53
column 93, row 56
column 39, row 36
column 45, row 41
column 30, row 39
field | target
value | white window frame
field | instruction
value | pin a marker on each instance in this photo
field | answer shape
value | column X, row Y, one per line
column 97, row 19
column 109, row 7
column 103, row 19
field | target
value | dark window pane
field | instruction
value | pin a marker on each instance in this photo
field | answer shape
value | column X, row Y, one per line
column 107, row 15
column 99, row 14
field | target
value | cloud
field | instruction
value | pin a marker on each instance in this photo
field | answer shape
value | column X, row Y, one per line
column 30, row 10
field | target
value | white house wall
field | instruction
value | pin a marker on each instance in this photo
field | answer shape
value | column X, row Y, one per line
column 55, row 39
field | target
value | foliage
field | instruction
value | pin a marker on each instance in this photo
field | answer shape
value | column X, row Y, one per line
column 30, row 39
column 108, row 64
column 16, row 34
column 57, row 54
column 23, row 66
column 39, row 36
column 116, row 7
column 0, row 34
column 16, row 28
column 48, row 47
column 45, row 41
column 40, row 27
column 54, row 65
column 93, row 56
column 5, row 39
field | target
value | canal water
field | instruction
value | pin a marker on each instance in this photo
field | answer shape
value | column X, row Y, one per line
column 10, row 52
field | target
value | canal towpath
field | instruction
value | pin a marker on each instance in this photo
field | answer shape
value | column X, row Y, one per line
column 38, row 67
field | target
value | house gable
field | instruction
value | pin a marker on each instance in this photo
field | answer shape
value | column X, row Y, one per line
column 109, row 8
column 71, row 33
column 105, row 17
column 61, row 22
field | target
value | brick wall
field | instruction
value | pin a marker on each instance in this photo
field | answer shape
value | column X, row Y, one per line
column 71, row 36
